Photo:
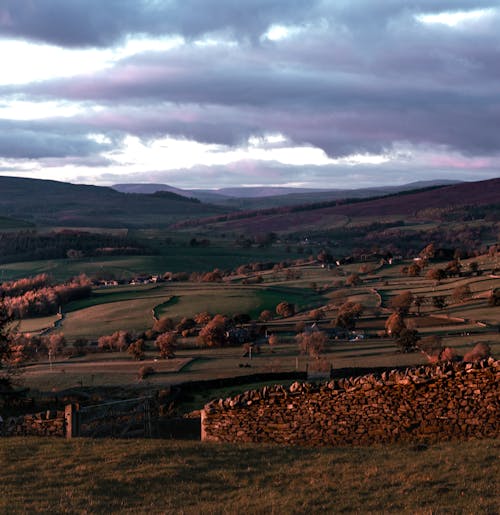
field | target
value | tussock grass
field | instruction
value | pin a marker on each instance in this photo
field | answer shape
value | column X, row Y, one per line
column 159, row 476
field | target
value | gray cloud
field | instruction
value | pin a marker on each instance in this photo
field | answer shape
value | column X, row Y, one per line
column 84, row 23
column 25, row 140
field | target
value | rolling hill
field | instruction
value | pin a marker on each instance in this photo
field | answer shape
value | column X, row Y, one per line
column 266, row 197
column 46, row 202
column 328, row 214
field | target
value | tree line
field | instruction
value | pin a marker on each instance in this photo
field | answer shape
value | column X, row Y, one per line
column 30, row 245
column 41, row 299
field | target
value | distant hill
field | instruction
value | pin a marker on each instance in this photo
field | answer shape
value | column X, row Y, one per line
column 47, row 202
column 268, row 196
column 329, row 213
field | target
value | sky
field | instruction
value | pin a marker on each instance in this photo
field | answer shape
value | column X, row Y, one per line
column 224, row 93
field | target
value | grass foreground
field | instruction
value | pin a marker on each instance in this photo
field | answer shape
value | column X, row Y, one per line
column 165, row 476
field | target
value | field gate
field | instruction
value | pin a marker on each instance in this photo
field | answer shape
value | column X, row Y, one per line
column 131, row 418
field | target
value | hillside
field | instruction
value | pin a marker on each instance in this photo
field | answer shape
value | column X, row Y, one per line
column 46, row 202
column 247, row 198
column 329, row 213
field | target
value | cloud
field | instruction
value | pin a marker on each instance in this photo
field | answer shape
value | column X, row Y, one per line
column 94, row 23
column 343, row 79
column 22, row 140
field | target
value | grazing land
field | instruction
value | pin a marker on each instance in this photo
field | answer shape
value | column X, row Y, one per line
column 156, row 476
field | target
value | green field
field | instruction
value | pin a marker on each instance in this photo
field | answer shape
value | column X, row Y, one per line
column 131, row 308
column 158, row 476
column 171, row 259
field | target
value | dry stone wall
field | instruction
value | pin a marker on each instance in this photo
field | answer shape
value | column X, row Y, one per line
column 47, row 423
column 427, row 403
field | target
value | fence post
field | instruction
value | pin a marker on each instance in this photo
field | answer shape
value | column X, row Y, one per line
column 71, row 418
column 203, row 434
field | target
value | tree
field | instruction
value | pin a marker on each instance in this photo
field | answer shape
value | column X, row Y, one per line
column 439, row 301
column 413, row 270
column 214, row 334
column 273, row 340
column 266, row 315
column 432, row 347
column 285, row 309
column 316, row 314
column 407, row 340
column 5, row 349
column 348, row 314
column 186, row 324
column 353, row 280
column 461, row 293
column 55, row 343
column 163, row 325
column 480, row 351
column 394, row 325
column 428, row 252
column 436, row 274
column 419, row 301
column 402, row 303
column 166, row 344
column 494, row 298
column 474, row 267
column 202, row 318
column 324, row 257
column 136, row 349
column 312, row 343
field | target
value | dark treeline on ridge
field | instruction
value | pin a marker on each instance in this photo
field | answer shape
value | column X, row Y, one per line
column 31, row 246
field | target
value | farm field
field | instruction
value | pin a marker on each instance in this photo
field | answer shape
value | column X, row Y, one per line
column 170, row 259
column 194, row 364
column 159, row 476
column 133, row 307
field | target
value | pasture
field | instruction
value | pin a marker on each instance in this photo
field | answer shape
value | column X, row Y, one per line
column 170, row 258
column 133, row 307
column 158, row 476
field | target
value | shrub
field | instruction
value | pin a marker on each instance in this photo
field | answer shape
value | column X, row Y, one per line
column 285, row 309
column 461, row 293
column 266, row 315
column 394, row 325
column 407, row 340
column 312, row 343
column 163, row 324
column 166, row 344
column 136, row 349
column 432, row 347
column 480, row 351
column 146, row 371
column 402, row 303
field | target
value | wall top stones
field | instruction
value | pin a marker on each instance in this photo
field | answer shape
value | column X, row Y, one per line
column 445, row 401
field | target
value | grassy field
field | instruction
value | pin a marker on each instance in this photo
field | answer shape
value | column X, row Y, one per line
column 171, row 259
column 159, row 476
column 131, row 308
column 35, row 325
column 95, row 321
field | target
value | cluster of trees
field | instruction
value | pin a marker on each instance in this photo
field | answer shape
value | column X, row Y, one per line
column 21, row 286
column 16, row 348
column 30, row 245
column 46, row 300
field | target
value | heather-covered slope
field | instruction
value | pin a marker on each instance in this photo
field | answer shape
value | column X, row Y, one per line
column 425, row 203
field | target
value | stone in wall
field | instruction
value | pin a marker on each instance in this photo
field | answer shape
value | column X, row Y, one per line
column 426, row 403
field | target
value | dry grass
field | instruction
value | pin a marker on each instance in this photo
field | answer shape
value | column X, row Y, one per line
column 158, row 476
